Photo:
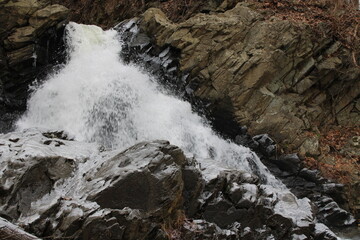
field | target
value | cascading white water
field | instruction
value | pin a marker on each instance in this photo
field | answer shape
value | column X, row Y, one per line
column 97, row 98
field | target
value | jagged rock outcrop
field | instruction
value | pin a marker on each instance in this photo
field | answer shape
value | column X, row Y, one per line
column 304, row 182
column 266, row 73
column 54, row 186
column 273, row 75
column 289, row 168
column 30, row 36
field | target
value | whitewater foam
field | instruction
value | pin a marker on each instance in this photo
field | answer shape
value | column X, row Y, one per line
column 97, row 98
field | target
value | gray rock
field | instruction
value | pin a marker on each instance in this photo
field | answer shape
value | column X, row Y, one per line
column 148, row 191
column 289, row 163
column 331, row 214
column 266, row 144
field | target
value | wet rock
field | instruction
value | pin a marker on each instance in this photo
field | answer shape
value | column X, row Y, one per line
column 266, row 145
column 323, row 232
column 335, row 191
column 126, row 195
column 25, row 181
column 311, row 175
column 331, row 214
column 152, row 184
column 289, row 163
column 325, row 195
column 58, row 134
column 193, row 187
column 243, row 195
column 148, row 191
column 200, row 229
column 282, row 224
column 12, row 232
column 117, row 224
column 223, row 213
column 162, row 62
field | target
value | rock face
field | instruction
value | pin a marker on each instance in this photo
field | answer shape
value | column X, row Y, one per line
column 276, row 76
column 30, row 37
column 163, row 62
column 264, row 72
column 54, row 186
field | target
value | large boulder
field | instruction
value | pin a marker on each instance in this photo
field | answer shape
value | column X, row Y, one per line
column 54, row 182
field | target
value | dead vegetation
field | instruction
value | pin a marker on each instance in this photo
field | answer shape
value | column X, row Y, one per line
column 336, row 163
column 339, row 18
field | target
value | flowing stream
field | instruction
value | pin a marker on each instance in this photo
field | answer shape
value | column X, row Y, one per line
column 97, row 98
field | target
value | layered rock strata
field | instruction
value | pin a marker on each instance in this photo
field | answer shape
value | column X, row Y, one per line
column 30, row 36
column 269, row 74
column 252, row 68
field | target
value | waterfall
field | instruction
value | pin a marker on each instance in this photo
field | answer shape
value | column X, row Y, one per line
column 97, row 98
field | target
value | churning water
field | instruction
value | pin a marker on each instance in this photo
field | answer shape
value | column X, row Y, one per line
column 98, row 98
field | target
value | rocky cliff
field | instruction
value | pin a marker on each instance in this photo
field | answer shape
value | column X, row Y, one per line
column 270, row 74
column 30, row 38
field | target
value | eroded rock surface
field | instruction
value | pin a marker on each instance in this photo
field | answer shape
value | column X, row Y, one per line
column 54, row 186
column 266, row 73
column 30, row 38
column 289, row 168
column 251, row 68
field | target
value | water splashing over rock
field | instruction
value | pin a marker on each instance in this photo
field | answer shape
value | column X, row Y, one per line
column 97, row 98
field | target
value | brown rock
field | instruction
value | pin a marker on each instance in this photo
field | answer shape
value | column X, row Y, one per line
column 48, row 16
column 21, row 55
column 21, row 37
column 251, row 66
